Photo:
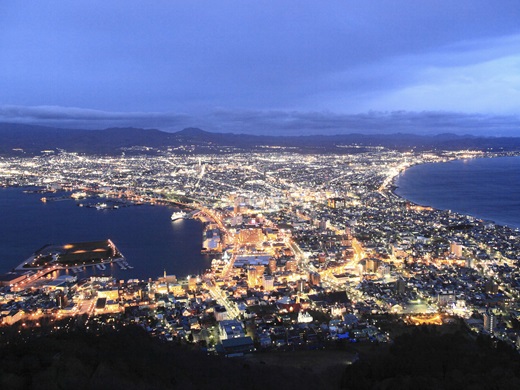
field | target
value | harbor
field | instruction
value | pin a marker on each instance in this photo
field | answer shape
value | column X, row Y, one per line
column 146, row 235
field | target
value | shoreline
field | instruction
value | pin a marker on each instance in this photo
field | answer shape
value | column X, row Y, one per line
column 392, row 188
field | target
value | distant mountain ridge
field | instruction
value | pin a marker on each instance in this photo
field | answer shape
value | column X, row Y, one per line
column 32, row 139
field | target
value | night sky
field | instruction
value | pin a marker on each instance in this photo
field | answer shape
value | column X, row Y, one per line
column 263, row 67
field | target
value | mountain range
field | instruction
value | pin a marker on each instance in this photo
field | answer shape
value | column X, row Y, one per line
column 16, row 139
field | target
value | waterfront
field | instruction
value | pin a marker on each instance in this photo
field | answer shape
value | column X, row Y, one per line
column 485, row 188
column 145, row 235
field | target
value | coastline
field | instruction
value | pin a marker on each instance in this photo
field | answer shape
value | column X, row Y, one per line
column 393, row 187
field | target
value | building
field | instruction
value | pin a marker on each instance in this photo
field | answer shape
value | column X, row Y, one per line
column 491, row 287
column 109, row 294
column 324, row 224
column 490, row 321
column 400, row 286
column 12, row 317
column 268, row 283
column 445, row 299
column 10, row 279
column 61, row 300
column 370, row 265
column 252, row 277
column 456, row 249
column 251, row 236
column 336, row 203
column 192, row 283
column 236, row 346
column 272, row 265
column 291, row 265
column 220, row 313
column 314, row 278
column 177, row 289
column 301, row 285
column 230, row 329
column 304, row 318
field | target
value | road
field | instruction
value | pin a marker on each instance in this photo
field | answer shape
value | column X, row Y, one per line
column 358, row 250
column 217, row 293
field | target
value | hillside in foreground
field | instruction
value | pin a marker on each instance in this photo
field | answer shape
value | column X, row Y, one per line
column 421, row 358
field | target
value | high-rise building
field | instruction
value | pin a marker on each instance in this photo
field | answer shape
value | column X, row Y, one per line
column 322, row 258
column 252, row 277
column 61, row 299
column 314, row 279
column 489, row 321
column 272, row 265
column 400, row 286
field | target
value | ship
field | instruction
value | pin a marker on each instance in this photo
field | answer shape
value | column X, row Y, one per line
column 178, row 215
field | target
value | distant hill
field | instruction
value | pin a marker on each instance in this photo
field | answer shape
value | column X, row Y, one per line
column 16, row 139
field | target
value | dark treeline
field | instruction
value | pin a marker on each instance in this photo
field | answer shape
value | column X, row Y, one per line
column 129, row 358
column 421, row 358
column 427, row 359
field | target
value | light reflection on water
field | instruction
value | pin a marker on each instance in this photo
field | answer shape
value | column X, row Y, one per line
column 144, row 234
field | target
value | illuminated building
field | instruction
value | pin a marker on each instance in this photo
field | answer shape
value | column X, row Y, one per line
column 314, row 278
column 252, row 277
column 456, row 249
column 291, row 265
column 489, row 321
column 272, row 265
column 61, row 299
column 230, row 329
column 192, row 283
column 336, row 203
column 251, row 236
column 268, row 283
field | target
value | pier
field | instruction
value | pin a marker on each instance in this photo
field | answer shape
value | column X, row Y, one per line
column 73, row 257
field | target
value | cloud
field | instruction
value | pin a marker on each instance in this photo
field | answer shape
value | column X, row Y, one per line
column 491, row 87
column 481, row 75
column 341, row 56
column 274, row 122
column 88, row 118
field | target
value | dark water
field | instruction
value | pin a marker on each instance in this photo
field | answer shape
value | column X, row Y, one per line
column 144, row 234
column 487, row 188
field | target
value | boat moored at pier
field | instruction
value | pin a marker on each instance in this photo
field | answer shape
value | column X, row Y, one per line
column 177, row 215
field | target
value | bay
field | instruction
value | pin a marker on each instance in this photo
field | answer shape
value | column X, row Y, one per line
column 145, row 235
column 486, row 188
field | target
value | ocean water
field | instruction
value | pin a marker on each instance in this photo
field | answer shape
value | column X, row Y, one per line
column 145, row 235
column 486, row 188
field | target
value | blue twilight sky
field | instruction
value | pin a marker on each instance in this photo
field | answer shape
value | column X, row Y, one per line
column 264, row 67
